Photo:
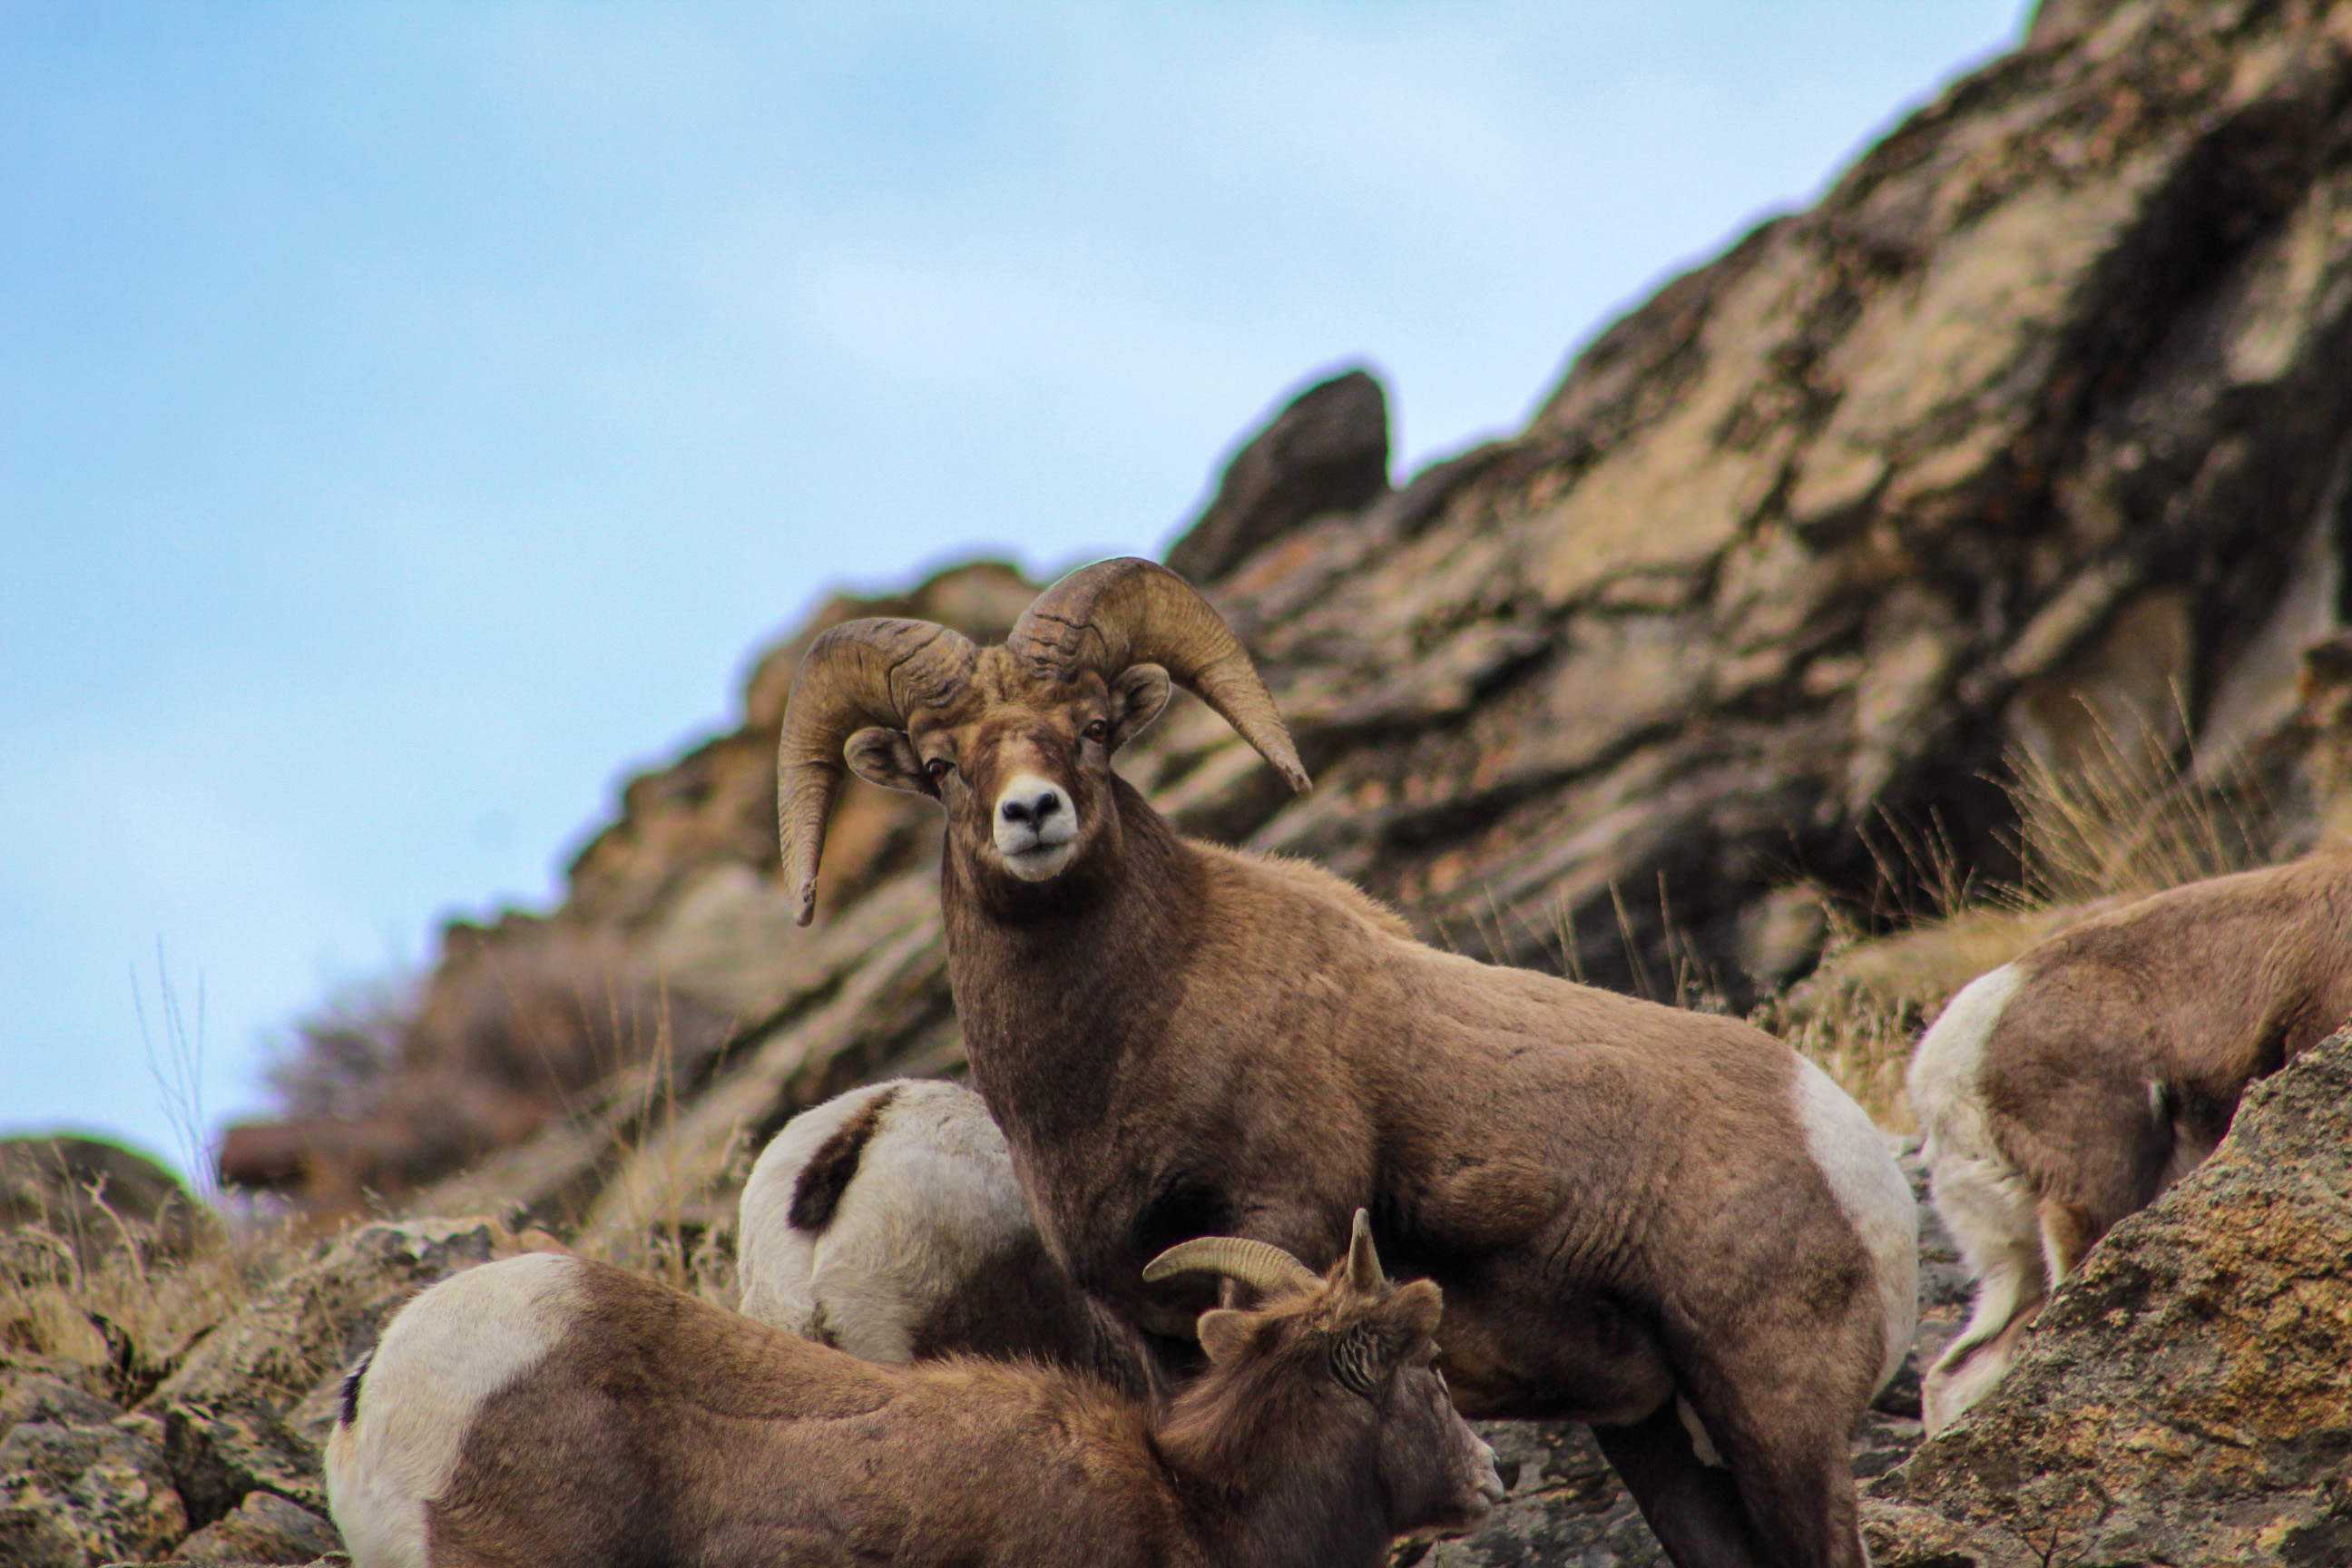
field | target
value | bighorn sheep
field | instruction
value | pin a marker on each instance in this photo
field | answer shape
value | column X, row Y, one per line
column 550, row 1410
column 1624, row 1203
column 2069, row 1087
column 886, row 1222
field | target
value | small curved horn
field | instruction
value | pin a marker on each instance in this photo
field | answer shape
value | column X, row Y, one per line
column 1258, row 1264
column 859, row 673
column 1116, row 614
column 1364, row 1274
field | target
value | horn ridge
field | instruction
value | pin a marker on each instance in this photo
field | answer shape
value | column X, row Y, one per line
column 1116, row 614
column 861, row 672
column 1259, row 1264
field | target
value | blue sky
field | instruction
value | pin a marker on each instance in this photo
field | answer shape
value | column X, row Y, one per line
column 413, row 416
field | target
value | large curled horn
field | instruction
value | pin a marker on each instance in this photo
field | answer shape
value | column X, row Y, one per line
column 859, row 673
column 1116, row 614
column 1258, row 1264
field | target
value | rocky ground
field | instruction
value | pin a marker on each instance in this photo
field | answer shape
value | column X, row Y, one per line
column 219, row 1460
column 2186, row 1400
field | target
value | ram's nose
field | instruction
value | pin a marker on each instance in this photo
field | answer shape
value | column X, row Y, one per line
column 1031, row 803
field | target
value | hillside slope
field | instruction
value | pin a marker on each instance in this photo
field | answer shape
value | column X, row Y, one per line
column 2030, row 440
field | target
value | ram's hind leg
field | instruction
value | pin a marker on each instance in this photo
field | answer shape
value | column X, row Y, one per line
column 1778, row 1396
column 1693, row 1507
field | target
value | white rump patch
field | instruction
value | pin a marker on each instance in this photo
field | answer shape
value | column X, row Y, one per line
column 932, row 1202
column 445, row 1353
column 1870, row 1187
column 1985, row 1201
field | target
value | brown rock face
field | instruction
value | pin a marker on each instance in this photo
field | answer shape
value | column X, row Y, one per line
column 2187, row 1396
column 2032, row 437
column 1327, row 452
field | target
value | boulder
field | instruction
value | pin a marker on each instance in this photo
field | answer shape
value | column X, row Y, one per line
column 93, row 1195
column 265, row 1528
column 81, row 1482
column 221, row 1456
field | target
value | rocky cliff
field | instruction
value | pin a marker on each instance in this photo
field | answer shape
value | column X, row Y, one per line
column 2024, row 453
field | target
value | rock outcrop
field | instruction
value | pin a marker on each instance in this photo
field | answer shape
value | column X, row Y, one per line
column 1327, row 453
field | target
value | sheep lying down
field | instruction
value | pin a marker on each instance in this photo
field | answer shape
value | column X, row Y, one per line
column 886, row 1222
column 547, row 1410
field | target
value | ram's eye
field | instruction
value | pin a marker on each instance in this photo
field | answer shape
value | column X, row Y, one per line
column 939, row 767
column 1099, row 731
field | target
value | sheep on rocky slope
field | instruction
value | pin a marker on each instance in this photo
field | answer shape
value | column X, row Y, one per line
column 1663, row 1223
column 550, row 1410
column 2071, row 1086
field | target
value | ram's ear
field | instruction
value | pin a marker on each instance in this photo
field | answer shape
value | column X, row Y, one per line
column 886, row 757
column 1224, row 1334
column 1137, row 696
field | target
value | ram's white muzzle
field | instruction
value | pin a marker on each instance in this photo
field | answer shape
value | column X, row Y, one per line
column 1036, row 828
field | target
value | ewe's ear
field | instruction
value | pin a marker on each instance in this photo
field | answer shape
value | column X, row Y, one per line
column 1410, row 1315
column 1397, row 1328
column 1136, row 696
column 886, row 757
column 1225, row 1334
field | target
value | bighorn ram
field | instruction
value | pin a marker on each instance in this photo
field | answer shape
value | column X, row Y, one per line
column 2069, row 1087
column 1623, row 1202
column 548, row 1410
column 886, row 1222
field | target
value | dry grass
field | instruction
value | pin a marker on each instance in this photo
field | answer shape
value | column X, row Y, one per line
column 656, row 1217
column 2125, row 821
column 127, row 1312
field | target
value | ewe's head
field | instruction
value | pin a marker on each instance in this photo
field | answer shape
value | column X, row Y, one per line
column 1343, row 1367
column 1015, row 741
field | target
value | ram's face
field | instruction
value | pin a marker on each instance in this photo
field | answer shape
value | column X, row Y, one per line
column 1022, row 767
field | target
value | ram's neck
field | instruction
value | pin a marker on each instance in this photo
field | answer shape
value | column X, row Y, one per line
column 1061, row 980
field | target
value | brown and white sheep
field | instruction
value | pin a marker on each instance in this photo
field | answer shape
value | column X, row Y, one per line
column 550, row 1410
column 1663, row 1223
column 2073, row 1084
column 886, row 1222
